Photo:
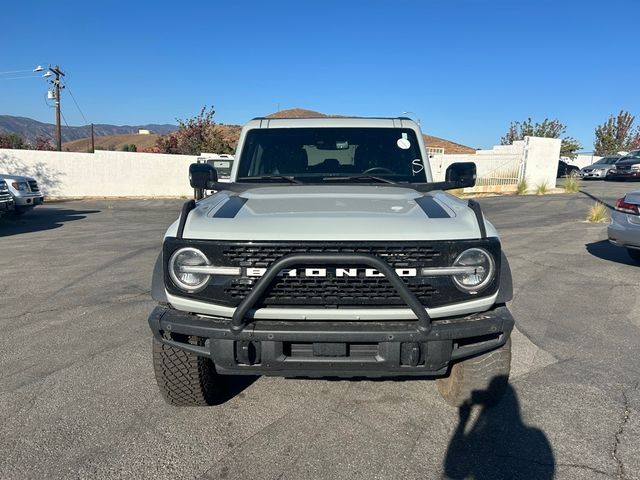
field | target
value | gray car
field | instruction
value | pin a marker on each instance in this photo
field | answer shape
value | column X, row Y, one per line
column 624, row 230
column 601, row 168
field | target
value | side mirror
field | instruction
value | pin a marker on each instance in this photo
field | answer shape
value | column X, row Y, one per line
column 463, row 174
column 202, row 176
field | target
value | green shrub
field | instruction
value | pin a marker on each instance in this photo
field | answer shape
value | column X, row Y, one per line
column 542, row 189
column 523, row 186
column 572, row 185
column 598, row 213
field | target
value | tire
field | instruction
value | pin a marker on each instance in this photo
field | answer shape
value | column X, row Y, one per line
column 481, row 379
column 185, row 379
column 633, row 253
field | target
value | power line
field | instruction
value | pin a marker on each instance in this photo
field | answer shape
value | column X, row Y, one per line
column 15, row 71
column 20, row 78
column 77, row 106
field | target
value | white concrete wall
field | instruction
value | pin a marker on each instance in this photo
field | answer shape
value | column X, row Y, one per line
column 583, row 160
column 132, row 174
column 541, row 157
column 103, row 173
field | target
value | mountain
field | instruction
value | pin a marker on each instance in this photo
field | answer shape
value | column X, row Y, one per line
column 29, row 129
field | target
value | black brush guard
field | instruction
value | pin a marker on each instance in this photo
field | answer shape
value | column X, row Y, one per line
column 245, row 345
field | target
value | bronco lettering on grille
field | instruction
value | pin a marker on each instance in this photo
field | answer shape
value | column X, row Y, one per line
column 333, row 272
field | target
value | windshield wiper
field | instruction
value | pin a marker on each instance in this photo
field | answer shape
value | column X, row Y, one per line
column 288, row 178
column 360, row 177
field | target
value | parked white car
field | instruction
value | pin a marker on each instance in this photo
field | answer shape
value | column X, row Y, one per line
column 25, row 192
column 6, row 200
column 624, row 230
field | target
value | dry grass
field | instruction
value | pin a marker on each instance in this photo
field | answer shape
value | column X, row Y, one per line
column 572, row 185
column 598, row 213
column 542, row 189
column 523, row 187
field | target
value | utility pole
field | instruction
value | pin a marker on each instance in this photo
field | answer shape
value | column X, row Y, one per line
column 93, row 142
column 58, row 73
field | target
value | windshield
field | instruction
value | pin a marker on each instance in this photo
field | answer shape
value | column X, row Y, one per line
column 319, row 154
column 607, row 161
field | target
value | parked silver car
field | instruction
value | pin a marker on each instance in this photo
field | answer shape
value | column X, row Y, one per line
column 25, row 192
column 624, row 230
column 601, row 168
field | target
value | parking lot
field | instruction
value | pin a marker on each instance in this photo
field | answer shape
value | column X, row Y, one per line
column 78, row 397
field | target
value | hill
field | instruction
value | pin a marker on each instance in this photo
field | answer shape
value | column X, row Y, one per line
column 111, row 142
column 77, row 139
column 29, row 129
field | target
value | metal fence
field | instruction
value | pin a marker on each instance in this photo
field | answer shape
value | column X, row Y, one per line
column 498, row 170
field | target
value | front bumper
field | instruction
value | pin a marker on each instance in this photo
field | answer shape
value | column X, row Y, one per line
column 334, row 349
column 7, row 206
column 28, row 200
column 616, row 175
column 593, row 174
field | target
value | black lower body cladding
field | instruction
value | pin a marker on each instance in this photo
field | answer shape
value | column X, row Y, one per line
column 333, row 349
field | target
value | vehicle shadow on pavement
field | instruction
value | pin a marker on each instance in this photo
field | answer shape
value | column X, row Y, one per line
column 234, row 386
column 604, row 250
column 498, row 445
column 593, row 197
column 40, row 219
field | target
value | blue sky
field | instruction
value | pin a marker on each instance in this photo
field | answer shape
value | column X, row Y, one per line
column 465, row 67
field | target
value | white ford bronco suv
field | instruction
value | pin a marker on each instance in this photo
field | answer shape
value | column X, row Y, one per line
column 331, row 253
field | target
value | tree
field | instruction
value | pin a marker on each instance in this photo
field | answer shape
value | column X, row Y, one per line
column 616, row 134
column 11, row 140
column 42, row 143
column 547, row 128
column 195, row 135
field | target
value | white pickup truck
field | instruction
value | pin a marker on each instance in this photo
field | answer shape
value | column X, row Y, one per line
column 25, row 192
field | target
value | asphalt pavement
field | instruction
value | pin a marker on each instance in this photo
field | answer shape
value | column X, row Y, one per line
column 78, row 397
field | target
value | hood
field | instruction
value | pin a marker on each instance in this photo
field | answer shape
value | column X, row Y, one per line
column 335, row 212
column 15, row 178
column 598, row 166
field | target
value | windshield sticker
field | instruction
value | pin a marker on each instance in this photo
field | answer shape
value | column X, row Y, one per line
column 403, row 143
column 417, row 166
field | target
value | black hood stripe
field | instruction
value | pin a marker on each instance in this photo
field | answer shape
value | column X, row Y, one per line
column 230, row 208
column 431, row 207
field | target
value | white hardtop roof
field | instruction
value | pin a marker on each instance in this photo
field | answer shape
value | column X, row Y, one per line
column 329, row 122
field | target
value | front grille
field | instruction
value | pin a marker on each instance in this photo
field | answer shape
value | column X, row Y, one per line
column 397, row 255
column 33, row 185
column 332, row 291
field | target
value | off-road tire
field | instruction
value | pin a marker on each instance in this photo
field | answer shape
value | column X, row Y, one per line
column 185, row 379
column 481, row 379
column 634, row 253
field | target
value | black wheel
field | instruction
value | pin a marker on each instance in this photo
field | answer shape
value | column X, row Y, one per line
column 482, row 379
column 186, row 379
column 634, row 253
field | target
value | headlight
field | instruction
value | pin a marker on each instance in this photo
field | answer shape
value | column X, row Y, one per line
column 187, row 280
column 20, row 186
column 635, row 166
column 480, row 272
